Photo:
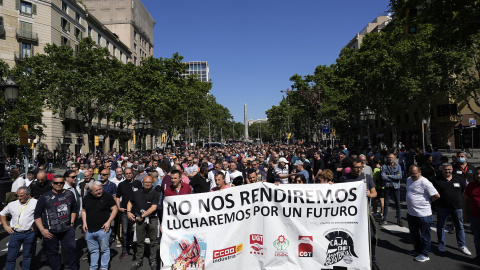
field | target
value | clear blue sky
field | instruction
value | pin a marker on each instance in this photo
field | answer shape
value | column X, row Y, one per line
column 254, row 47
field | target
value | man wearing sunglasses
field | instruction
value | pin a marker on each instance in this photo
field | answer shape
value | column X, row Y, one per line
column 55, row 215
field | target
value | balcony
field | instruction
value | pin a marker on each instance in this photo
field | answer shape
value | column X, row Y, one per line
column 19, row 57
column 26, row 35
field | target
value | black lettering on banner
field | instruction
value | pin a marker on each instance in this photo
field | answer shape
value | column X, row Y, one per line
column 255, row 192
column 222, row 203
column 298, row 194
column 212, row 220
column 292, row 212
column 220, row 219
column 345, row 195
column 230, row 202
column 352, row 210
column 189, row 208
column 203, row 205
column 172, row 209
column 276, row 195
column 266, row 193
column 244, row 197
column 353, row 194
column 309, row 195
column 230, row 218
column 325, row 198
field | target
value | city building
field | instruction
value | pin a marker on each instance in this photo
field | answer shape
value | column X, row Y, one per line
column 130, row 20
column 26, row 26
column 449, row 118
column 199, row 68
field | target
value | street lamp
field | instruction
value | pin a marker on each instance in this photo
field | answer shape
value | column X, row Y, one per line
column 141, row 127
column 10, row 90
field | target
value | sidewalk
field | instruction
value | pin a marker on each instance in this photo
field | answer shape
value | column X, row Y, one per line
column 475, row 160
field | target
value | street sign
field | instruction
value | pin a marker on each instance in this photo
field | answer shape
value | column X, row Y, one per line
column 472, row 122
column 326, row 129
column 96, row 141
column 100, row 138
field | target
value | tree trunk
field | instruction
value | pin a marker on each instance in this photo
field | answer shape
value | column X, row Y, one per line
column 428, row 132
column 394, row 136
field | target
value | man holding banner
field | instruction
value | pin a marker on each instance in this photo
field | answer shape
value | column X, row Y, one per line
column 355, row 175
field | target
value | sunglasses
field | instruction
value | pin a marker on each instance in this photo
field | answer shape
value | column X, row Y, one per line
column 73, row 176
column 59, row 183
column 103, row 174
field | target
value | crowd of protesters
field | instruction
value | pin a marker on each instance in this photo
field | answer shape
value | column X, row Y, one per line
column 116, row 197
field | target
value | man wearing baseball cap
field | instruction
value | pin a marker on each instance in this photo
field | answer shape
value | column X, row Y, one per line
column 281, row 172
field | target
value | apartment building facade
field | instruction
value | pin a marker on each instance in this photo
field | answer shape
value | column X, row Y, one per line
column 26, row 26
column 130, row 20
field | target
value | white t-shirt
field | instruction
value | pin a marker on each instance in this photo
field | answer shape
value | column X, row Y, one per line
column 211, row 178
column 418, row 197
column 237, row 173
column 19, row 182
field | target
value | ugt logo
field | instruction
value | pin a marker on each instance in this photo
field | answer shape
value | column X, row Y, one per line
column 340, row 246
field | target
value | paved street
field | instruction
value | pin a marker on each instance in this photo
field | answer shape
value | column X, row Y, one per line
column 393, row 244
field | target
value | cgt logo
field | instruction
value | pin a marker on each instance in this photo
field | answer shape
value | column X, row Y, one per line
column 256, row 243
column 227, row 253
column 305, row 248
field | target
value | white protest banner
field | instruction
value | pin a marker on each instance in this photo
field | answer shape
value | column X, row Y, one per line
column 263, row 226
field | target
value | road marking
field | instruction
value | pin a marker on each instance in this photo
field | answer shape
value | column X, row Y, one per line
column 396, row 229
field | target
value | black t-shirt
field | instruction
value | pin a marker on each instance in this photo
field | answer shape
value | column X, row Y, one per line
column 142, row 201
column 200, row 184
column 450, row 192
column 362, row 177
column 467, row 173
column 125, row 190
column 98, row 210
column 37, row 189
column 318, row 164
column 271, row 175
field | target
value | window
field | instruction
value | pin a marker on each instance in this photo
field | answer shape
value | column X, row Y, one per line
column 65, row 41
column 114, row 51
column 64, row 7
column 65, row 25
column 134, row 47
column 27, row 50
column 108, row 44
column 26, row 29
column 99, row 40
column 134, row 35
column 25, row 8
column 121, row 56
column 89, row 31
column 78, row 34
column 134, row 60
column 2, row 27
column 77, row 17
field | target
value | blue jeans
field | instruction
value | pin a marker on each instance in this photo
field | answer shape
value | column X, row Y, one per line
column 98, row 244
column 457, row 217
column 420, row 233
column 127, row 232
column 395, row 193
column 16, row 241
column 475, row 226
column 69, row 246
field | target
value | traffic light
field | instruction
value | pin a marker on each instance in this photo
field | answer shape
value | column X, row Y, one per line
column 23, row 134
column 411, row 27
